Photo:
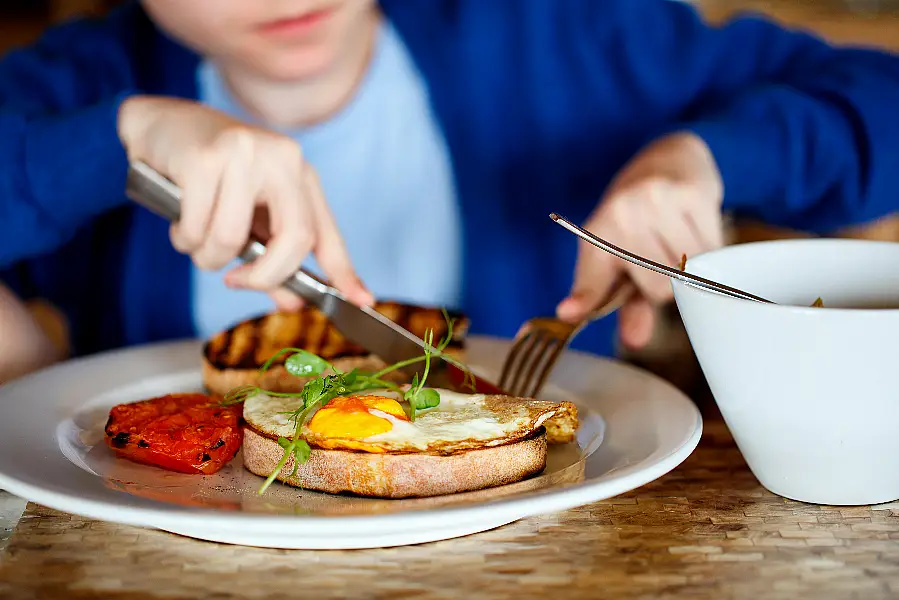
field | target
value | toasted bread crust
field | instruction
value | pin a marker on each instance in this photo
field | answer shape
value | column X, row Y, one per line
column 399, row 475
column 248, row 345
column 232, row 358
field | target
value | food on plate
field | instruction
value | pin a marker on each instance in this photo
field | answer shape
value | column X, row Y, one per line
column 235, row 357
column 187, row 433
column 819, row 303
column 561, row 427
column 359, row 432
column 341, row 421
column 368, row 445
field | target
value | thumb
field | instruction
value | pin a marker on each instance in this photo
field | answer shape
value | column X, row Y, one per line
column 594, row 275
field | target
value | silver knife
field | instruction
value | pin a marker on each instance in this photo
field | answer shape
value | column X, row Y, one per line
column 364, row 326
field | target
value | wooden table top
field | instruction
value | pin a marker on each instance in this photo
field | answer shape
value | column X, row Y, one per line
column 706, row 530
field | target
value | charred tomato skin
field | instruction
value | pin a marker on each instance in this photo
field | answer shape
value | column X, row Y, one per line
column 186, row 433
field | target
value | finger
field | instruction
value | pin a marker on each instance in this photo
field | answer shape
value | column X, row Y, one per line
column 708, row 228
column 636, row 321
column 292, row 236
column 330, row 250
column 595, row 271
column 674, row 229
column 237, row 277
column 678, row 238
column 198, row 195
column 232, row 216
column 653, row 286
column 285, row 300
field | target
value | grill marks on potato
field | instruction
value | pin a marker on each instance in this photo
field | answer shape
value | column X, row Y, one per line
column 249, row 344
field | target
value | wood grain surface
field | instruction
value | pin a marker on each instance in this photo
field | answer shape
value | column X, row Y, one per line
column 706, row 530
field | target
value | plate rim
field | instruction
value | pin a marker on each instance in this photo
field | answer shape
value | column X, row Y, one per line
column 546, row 500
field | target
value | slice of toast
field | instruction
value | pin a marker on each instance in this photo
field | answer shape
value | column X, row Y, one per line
column 458, row 459
column 409, row 475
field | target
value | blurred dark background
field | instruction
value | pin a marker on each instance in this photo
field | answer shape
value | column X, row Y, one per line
column 22, row 20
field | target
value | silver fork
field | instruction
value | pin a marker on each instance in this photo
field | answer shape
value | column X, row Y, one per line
column 540, row 341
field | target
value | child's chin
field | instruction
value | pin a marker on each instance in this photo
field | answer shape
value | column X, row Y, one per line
column 297, row 66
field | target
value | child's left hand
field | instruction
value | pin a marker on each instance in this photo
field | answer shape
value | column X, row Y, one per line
column 664, row 204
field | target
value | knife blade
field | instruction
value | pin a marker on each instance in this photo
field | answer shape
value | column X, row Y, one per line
column 363, row 326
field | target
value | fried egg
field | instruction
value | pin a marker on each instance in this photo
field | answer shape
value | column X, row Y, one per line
column 377, row 421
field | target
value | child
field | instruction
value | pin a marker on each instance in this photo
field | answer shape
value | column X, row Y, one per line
column 420, row 144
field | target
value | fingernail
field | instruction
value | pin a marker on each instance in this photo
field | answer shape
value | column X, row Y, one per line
column 363, row 294
column 568, row 309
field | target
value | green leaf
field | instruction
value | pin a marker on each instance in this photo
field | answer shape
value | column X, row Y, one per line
column 426, row 398
column 306, row 364
column 410, row 394
column 312, row 391
column 350, row 378
column 421, row 399
column 283, row 442
column 302, row 451
column 265, row 367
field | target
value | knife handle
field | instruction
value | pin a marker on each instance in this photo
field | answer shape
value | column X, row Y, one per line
column 158, row 194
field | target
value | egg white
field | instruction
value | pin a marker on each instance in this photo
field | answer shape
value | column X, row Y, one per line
column 459, row 417
column 263, row 412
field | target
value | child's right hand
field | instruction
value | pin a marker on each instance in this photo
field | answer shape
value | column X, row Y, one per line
column 237, row 179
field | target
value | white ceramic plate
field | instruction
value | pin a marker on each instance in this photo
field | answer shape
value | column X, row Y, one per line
column 634, row 429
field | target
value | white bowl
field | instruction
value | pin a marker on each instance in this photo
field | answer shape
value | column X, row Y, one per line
column 811, row 395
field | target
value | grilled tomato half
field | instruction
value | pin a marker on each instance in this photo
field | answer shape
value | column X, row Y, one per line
column 187, row 433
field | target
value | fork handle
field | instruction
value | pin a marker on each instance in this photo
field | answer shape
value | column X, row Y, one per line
column 158, row 194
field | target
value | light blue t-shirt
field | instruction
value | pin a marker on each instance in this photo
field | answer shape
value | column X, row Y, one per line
column 387, row 177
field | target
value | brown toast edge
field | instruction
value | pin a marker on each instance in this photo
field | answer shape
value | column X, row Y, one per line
column 389, row 475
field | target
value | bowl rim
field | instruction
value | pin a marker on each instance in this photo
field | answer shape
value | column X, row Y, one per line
column 687, row 288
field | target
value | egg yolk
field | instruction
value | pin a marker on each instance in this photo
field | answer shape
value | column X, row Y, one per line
column 351, row 417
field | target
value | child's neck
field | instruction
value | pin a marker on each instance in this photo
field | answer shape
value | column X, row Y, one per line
column 310, row 101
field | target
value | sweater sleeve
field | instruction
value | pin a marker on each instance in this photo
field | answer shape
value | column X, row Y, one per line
column 61, row 161
column 805, row 134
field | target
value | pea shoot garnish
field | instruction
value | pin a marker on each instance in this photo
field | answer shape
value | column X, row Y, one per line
column 328, row 382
